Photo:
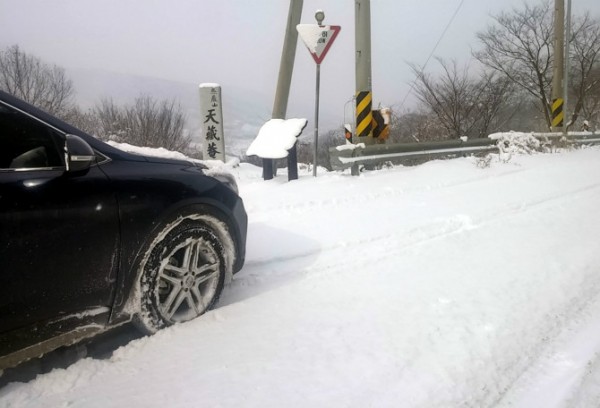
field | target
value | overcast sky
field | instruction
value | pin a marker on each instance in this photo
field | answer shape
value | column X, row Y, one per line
column 238, row 42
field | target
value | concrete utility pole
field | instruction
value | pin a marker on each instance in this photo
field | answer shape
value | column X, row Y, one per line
column 557, row 71
column 282, row 93
column 567, row 68
column 364, row 97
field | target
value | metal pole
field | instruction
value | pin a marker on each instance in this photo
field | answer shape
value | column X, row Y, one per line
column 346, row 109
column 282, row 93
column 557, row 78
column 567, row 68
column 316, row 139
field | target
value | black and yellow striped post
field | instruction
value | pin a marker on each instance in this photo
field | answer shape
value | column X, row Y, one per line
column 557, row 114
column 364, row 116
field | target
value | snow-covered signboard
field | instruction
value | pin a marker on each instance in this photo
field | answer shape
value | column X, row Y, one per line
column 212, row 122
column 276, row 137
column 318, row 39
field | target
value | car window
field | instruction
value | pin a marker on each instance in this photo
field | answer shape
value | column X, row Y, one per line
column 26, row 143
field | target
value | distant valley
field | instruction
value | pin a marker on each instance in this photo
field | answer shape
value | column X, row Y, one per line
column 244, row 110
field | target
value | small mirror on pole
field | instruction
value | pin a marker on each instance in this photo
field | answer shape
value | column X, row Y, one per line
column 320, row 16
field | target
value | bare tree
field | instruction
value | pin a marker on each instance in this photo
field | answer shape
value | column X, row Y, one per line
column 463, row 106
column 146, row 122
column 519, row 46
column 305, row 149
column 585, row 68
column 447, row 97
column 416, row 126
column 498, row 103
column 84, row 120
column 27, row 77
column 590, row 108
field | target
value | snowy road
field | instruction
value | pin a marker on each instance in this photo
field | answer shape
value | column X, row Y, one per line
column 442, row 285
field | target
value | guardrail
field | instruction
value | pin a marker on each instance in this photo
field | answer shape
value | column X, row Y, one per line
column 575, row 137
column 349, row 156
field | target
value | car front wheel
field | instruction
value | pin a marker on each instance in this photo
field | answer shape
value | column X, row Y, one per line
column 183, row 275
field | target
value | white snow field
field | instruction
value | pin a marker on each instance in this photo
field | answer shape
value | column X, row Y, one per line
column 442, row 285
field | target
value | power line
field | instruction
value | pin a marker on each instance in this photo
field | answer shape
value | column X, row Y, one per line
column 412, row 85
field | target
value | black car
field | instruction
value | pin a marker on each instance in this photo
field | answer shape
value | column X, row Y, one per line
column 92, row 237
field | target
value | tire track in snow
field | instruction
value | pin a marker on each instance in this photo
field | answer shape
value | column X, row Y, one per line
column 361, row 198
column 565, row 370
column 461, row 223
column 276, row 271
column 439, row 229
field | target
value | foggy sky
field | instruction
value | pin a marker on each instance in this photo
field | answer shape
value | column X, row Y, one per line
column 238, row 42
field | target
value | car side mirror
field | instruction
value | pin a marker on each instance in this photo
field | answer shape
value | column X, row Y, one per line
column 79, row 155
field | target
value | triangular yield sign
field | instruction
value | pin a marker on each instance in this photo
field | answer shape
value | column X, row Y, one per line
column 318, row 39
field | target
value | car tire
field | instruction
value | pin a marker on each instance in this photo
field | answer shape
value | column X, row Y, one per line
column 183, row 273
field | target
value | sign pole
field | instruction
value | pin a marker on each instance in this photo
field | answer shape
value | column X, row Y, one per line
column 316, row 140
column 318, row 39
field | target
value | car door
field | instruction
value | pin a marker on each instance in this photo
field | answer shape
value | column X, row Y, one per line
column 59, row 231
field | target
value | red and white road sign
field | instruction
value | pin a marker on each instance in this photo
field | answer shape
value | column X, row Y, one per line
column 318, row 39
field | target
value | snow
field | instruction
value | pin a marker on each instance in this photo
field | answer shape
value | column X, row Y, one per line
column 310, row 35
column 442, row 285
column 510, row 143
column 149, row 151
column 317, row 38
column 209, row 85
column 91, row 312
column 350, row 146
column 276, row 137
column 215, row 167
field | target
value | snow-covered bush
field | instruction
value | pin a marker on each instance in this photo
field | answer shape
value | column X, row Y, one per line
column 484, row 162
column 510, row 143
